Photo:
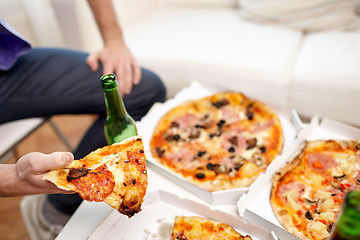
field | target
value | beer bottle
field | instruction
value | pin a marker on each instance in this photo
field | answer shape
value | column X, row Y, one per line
column 119, row 124
column 348, row 223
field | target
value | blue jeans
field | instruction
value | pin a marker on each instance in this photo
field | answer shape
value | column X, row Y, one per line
column 49, row 81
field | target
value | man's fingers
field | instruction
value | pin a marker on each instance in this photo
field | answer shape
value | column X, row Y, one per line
column 54, row 160
column 93, row 62
column 128, row 76
column 119, row 72
column 136, row 73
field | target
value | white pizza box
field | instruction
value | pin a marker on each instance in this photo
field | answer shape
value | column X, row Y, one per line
column 156, row 220
column 289, row 119
column 254, row 206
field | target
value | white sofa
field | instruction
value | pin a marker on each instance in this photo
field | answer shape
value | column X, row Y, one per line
column 208, row 41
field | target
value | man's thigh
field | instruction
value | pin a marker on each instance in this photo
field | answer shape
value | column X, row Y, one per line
column 47, row 82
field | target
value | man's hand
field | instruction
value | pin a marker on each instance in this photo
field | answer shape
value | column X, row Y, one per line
column 25, row 177
column 117, row 58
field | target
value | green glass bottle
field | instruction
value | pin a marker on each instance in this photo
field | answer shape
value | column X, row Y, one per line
column 119, row 124
column 348, row 223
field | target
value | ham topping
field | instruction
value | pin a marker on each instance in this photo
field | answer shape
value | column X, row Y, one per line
column 229, row 115
column 233, row 142
column 298, row 187
column 321, row 161
column 187, row 121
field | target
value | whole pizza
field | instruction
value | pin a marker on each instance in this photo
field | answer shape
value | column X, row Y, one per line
column 218, row 142
column 308, row 192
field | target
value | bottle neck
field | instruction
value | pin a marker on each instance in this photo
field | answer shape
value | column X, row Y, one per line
column 114, row 103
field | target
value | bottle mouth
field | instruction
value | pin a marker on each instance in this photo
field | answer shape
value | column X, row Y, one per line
column 108, row 82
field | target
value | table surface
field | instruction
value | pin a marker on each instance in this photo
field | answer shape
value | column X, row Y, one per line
column 90, row 214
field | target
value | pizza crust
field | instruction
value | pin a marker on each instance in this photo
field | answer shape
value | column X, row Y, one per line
column 284, row 215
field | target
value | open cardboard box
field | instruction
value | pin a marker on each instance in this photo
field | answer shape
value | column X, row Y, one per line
column 289, row 120
column 156, row 220
column 254, row 206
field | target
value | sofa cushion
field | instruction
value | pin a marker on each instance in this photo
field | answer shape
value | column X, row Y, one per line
column 326, row 77
column 215, row 46
column 313, row 15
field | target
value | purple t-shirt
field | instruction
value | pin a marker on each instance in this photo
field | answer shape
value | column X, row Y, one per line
column 12, row 45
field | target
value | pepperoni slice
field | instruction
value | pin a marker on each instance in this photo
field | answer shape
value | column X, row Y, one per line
column 96, row 184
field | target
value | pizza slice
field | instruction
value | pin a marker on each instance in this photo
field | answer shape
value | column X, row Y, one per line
column 113, row 174
column 198, row 228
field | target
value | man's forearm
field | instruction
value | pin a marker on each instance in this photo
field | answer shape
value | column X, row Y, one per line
column 106, row 20
column 7, row 180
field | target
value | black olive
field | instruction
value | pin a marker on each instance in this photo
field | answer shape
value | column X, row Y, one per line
column 231, row 149
column 201, row 153
column 220, row 123
column 308, row 215
column 330, row 227
column 238, row 166
column 200, row 175
column 263, row 149
column 210, row 166
column 249, row 115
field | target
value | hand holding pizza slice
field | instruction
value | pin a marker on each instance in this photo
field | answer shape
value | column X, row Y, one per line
column 113, row 174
